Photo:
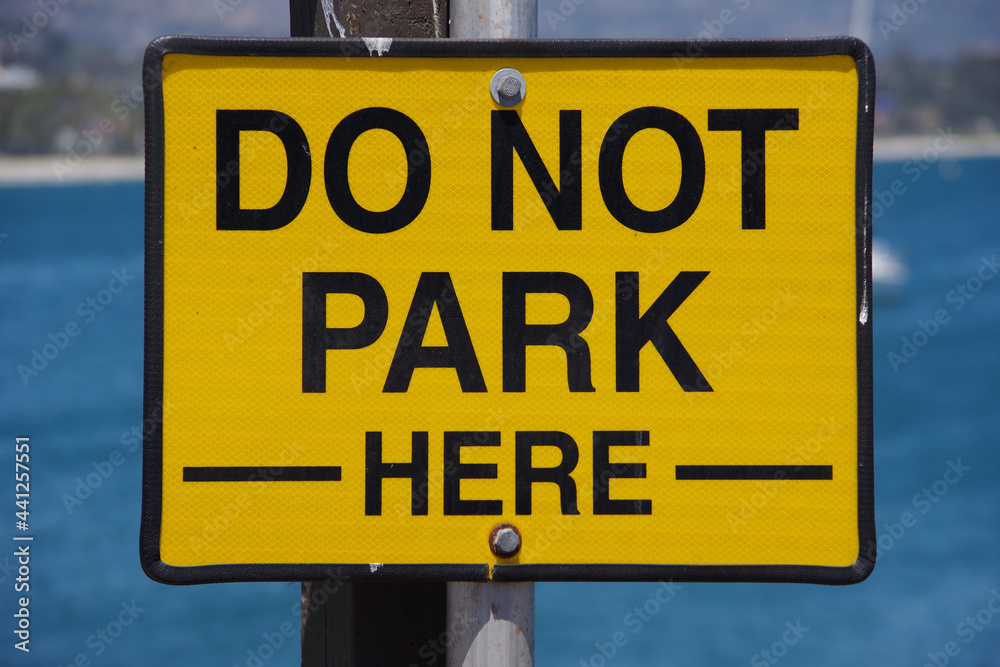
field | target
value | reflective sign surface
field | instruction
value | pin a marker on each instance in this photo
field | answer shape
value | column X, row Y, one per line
column 628, row 315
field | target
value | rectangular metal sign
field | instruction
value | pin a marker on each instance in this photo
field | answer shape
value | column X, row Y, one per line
column 613, row 308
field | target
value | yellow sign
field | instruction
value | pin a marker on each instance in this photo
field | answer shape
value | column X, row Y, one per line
column 626, row 315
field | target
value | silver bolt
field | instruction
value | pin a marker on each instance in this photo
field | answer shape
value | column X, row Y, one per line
column 510, row 86
column 507, row 87
column 505, row 540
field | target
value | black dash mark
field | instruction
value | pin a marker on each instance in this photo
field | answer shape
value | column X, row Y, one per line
column 262, row 474
column 754, row 472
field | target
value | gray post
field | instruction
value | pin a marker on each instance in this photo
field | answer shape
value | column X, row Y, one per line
column 494, row 19
column 492, row 624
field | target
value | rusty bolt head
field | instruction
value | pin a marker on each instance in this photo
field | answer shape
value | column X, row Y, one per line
column 505, row 540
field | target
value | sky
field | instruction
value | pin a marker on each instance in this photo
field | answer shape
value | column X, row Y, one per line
column 930, row 28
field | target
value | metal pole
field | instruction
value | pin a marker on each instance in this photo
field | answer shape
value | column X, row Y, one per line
column 494, row 19
column 492, row 624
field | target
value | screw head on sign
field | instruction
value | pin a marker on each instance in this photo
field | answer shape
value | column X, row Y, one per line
column 510, row 86
column 505, row 540
column 507, row 87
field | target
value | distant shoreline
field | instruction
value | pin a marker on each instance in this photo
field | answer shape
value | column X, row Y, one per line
column 41, row 170
column 936, row 146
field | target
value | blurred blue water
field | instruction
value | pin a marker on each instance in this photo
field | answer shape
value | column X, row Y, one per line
column 63, row 243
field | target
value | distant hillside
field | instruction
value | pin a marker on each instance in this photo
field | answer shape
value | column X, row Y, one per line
column 72, row 67
column 936, row 29
column 931, row 29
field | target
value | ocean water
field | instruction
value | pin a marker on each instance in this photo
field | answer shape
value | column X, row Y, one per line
column 934, row 597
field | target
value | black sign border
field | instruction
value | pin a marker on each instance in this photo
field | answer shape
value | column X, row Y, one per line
column 149, row 541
